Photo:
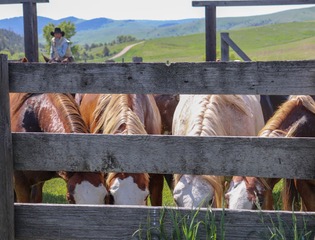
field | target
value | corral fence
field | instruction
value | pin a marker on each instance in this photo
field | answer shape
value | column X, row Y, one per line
column 249, row 156
column 226, row 43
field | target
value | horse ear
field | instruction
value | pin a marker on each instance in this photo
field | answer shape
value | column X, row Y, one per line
column 24, row 59
column 45, row 58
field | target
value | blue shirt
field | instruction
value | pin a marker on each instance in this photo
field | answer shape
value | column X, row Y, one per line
column 61, row 47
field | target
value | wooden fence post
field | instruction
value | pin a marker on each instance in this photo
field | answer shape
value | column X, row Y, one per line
column 229, row 42
column 6, row 157
column 225, row 50
column 211, row 41
column 30, row 31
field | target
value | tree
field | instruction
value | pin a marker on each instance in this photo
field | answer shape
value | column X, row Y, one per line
column 66, row 26
column 106, row 51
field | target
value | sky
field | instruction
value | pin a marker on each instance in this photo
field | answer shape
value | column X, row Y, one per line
column 134, row 9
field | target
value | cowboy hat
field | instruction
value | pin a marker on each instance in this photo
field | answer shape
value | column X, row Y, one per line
column 57, row 30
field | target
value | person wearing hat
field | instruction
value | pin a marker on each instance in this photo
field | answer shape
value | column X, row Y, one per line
column 60, row 46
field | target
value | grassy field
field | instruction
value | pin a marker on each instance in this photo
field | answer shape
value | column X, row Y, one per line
column 55, row 192
column 289, row 41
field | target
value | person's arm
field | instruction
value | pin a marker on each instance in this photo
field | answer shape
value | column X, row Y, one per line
column 63, row 49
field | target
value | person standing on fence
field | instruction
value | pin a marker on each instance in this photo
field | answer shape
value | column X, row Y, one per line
column 60, row 49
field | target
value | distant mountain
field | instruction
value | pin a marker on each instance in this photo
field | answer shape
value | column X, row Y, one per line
column 101, row 30
column 10, row 41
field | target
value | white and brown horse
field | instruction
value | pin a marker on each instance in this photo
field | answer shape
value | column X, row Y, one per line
column 54, row 113
column 126, row 114
column 294, row 118
column 212, row 115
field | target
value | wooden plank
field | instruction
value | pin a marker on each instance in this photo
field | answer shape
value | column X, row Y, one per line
column 252, row 156
column 225, row 37
column 30, row 31
column 6, row 159
column 265, row 78
column 211, row 39
column 233, row 3
column 22, row 1
column 117, row 222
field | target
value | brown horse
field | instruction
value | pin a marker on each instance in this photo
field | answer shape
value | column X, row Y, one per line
column 57, row 113
column 126, row 114
column 52, row 60
column 212, row 115
column 294, row 118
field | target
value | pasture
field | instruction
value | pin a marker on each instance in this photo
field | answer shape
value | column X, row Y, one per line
column 277, row 42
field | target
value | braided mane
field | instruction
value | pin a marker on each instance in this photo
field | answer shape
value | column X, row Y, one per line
column 114, row 114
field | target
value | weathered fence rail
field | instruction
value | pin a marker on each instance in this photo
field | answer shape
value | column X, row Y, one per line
column 158, row 154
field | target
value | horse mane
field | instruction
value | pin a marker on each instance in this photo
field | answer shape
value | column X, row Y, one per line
column 114, row 114
column 136, row 177
column 67, row 106
column 64, row 103
column 215, row 181
column 273, row 124
column 208, row 122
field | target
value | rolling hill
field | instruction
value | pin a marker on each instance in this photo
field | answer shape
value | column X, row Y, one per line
column 101, row 30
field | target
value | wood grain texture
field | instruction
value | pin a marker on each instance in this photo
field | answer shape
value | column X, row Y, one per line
column 265, row 78
column 117, row 222
column 252, row 156
column 6, row 158
column 232, row 3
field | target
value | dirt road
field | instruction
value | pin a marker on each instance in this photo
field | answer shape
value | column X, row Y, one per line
column 126, row 49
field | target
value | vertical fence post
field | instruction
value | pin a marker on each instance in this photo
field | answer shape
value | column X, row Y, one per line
column 6, row 157
column 224, row 48
column 30, row 31
column 211, row 41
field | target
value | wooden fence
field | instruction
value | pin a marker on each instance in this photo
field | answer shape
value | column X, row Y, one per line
column 251, row 156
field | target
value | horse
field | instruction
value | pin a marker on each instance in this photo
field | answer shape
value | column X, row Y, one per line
column 212, row 115
column 54, row 113
column 294, row 118
column 126, row 114
column 270, row 104
column 58, row 60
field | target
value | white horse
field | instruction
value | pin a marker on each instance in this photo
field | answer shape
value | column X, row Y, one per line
column 212, row 115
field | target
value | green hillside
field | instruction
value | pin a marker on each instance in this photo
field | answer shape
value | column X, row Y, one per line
column 289, row 41
column 146, row 29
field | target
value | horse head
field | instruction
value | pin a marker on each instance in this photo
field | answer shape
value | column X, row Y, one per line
column 85, row 188
column 195, row 191
column 245, row 193
column 121, row 114
column 128, row 188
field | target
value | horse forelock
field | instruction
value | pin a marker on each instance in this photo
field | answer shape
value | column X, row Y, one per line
column 272, row 127
column 69, row 110
column 141, row 179
column 116, row 115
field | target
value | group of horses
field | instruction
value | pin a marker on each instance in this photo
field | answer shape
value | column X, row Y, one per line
column 184, row 115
